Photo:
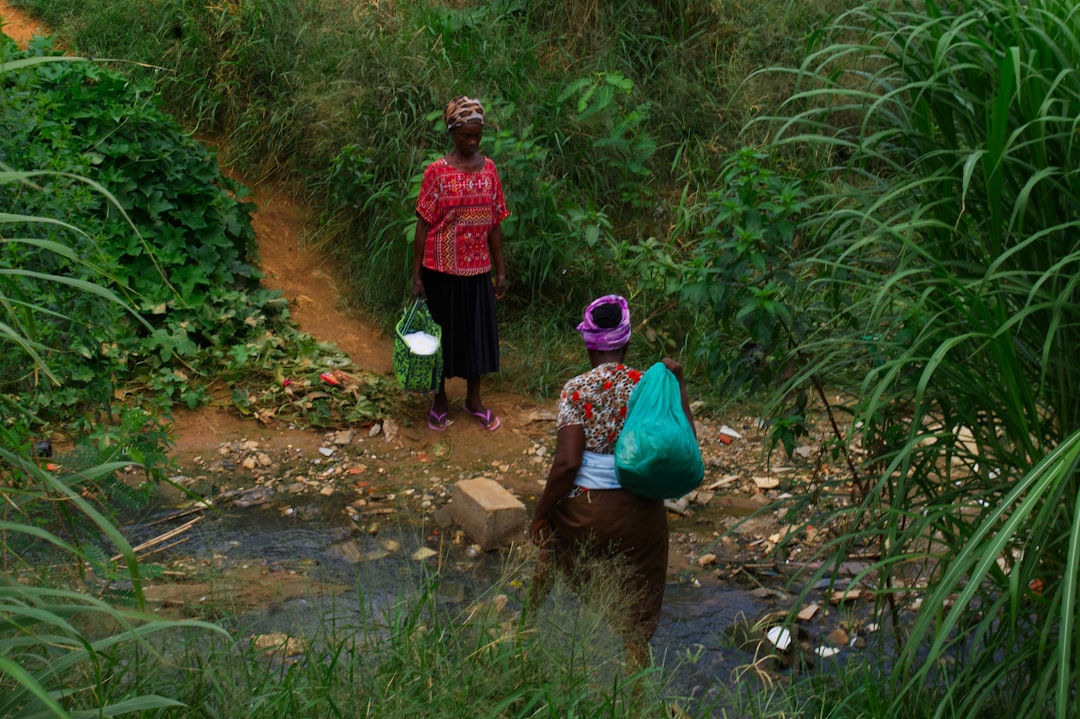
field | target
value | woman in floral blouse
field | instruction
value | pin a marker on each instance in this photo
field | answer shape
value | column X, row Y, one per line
column 583, row 515
column 458, row 243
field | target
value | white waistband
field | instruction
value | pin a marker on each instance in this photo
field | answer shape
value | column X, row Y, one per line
column 597, row 471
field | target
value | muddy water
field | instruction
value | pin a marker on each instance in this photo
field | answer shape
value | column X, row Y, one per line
column 370, row 581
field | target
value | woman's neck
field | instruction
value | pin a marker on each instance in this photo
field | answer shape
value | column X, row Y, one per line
column 465, row 163
column 599, row 357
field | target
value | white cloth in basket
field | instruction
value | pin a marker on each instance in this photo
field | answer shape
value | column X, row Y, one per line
column 421, row 343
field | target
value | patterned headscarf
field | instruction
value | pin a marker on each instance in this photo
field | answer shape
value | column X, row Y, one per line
column 463, row 110
column 606, row 338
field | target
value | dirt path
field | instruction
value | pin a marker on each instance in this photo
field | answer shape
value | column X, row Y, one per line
column 17, row 25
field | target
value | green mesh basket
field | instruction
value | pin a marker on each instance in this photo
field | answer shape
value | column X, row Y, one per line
column 417, row 372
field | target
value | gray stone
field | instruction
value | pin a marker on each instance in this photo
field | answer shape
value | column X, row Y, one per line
column 488, row 513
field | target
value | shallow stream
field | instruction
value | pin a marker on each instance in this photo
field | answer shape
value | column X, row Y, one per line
column 371, row 573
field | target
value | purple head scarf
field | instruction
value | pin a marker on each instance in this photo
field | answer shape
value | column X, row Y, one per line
column 606, row 338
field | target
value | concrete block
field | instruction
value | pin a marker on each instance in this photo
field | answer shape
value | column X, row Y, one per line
column 487, row 512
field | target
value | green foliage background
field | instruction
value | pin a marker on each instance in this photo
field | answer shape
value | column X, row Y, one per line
column 871, row 214
column 612, row 126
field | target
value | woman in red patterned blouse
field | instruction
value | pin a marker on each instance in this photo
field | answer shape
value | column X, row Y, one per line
column 583, row 516
column 457, row 244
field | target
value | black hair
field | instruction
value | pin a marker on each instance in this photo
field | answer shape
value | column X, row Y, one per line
column 607, row 316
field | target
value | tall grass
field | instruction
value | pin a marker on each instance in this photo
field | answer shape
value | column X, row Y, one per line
column 947, row 305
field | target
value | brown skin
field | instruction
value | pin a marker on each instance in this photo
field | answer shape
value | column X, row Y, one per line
column 570, row 448
column 465, row 157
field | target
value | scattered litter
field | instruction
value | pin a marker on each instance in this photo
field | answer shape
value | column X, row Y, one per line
column 729, row 432
column 826, row 652
column 780, row 637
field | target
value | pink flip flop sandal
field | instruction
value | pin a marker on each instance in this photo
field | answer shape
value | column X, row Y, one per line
column 487, row 419
column 436, row 421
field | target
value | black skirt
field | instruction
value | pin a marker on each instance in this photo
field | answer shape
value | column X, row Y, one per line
column 464, row 307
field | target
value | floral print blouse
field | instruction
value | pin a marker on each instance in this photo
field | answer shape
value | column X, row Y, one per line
column 597, row 400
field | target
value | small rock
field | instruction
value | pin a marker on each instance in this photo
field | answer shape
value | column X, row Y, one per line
column 275, row 642
column 706, row 560
column 678, row 506
column 423, row 553
column 702, row 498
column 839, row 637
column 390, row 429
column 375, row 429
column 767, row 482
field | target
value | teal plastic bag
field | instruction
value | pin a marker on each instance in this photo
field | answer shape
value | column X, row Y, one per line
column 657, row 455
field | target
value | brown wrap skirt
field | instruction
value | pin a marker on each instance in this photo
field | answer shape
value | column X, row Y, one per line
column 599, row 530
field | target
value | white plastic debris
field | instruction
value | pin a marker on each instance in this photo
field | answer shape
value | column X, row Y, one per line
column 730, row 432
column 421, row 343
column 780, row 637
column 826, row 652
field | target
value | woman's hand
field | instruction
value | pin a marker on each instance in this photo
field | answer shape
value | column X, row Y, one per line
column 418, row 288
column 500, row 286
column 675, row 367
column 684, row 398
column 540, row 531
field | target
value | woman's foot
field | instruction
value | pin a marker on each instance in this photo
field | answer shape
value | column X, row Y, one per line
column 487, row 419
column 437, row 421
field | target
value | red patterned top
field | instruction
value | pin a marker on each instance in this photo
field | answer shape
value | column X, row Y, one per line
column 461, row 208
column 597, row 401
